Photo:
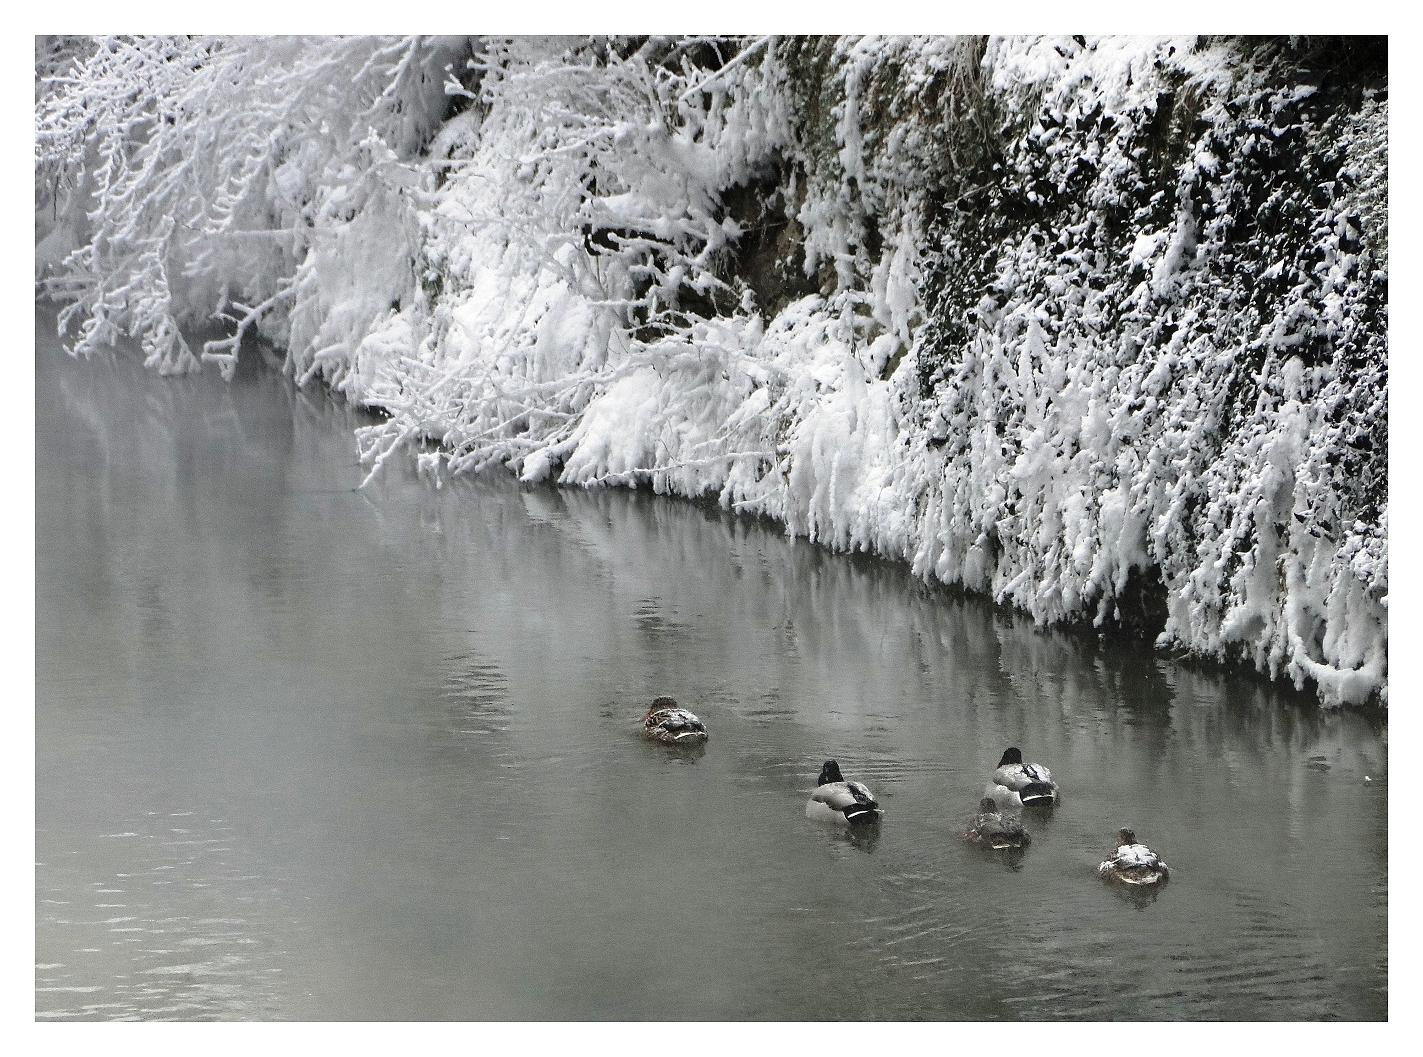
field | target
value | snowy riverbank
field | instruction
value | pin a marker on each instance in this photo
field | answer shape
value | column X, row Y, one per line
column 1097, row 327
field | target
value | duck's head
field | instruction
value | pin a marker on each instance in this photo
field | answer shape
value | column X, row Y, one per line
column 1010, row 756
column 830, row 773
column 987, row 804
column 1125, row 836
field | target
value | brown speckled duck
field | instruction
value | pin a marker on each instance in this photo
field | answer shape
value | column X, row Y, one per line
column 1133, row 864
column 671, row 725
column 992, row 829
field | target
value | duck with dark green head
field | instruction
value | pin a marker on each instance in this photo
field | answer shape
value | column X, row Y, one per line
column 1017, row 784
column 836, row 799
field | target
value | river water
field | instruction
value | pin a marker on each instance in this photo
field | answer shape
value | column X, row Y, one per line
column 311, row 752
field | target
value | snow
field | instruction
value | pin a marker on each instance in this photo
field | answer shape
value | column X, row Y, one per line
column 522, row 250
column 1134, row 855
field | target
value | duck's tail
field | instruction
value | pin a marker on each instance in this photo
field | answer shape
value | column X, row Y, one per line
column 1009, row 839
column 860, row 814
column 1040, row 793
column 676, row 730
column 1135, row 876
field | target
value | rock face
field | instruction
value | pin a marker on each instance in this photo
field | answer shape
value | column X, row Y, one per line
column 1095, row 326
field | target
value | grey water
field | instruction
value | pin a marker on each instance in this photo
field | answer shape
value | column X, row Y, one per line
column 308, row 751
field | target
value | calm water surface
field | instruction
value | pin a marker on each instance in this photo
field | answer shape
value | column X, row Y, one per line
column 309, row 752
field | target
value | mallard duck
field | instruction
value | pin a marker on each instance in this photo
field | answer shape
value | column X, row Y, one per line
column 667, row 723
column 992, row 829
column 1019, row 784
column 1133, row 864
column 836, row 800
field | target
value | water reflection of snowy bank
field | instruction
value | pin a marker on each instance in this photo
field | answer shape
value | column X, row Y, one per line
column 415, row 715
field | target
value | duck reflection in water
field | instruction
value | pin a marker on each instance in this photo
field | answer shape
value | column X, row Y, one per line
column 1010, row 858
column 681, row 754
column 861, row 838
column 1137, row 898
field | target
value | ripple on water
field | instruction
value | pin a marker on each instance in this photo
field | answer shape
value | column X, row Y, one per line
column 132, row 976
column 477, row 695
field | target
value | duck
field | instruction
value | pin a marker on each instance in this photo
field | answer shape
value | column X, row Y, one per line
column 992, row 829
column 671, row 724
column 838, row 800
column 1133, row 864
column 1019, row 784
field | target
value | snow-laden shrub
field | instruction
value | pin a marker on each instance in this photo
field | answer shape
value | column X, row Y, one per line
column 1172, row 368
column 189, row 178
column 1094, row 326
column 576, row 244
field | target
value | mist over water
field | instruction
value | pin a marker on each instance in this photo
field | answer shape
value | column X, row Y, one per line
column 312, row 752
